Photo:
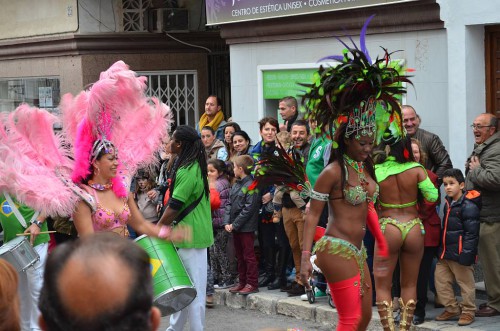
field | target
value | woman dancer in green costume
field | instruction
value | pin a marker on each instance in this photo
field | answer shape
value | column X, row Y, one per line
column 357, row 99
column 401, row 179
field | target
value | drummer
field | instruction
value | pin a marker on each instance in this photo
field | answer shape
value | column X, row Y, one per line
column 16, row 219
column 189, row 192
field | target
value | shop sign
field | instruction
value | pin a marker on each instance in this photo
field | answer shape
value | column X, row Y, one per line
column 280, row 83
column 231, row 11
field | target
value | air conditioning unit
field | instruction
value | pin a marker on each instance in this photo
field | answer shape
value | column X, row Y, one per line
column 168, row 20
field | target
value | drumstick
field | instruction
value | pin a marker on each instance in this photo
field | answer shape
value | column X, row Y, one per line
column 29, row 234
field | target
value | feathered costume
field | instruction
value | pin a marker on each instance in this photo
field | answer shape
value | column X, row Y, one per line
column 281, row 168
column 364, row 96
column 357, row 92
column 43, row 169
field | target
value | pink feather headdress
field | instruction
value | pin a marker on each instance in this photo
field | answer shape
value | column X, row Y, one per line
column 40, row 168
column 31, row 156
column 115, row 109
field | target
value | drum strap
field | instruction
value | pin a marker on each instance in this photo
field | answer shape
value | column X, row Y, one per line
column 187, row 210
column 16, row 212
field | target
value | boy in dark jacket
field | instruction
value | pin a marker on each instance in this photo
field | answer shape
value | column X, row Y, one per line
column 240, row 218
column 458, row 249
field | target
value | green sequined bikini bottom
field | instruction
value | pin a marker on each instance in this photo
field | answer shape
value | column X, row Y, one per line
column 343, row 248
column 404, row 227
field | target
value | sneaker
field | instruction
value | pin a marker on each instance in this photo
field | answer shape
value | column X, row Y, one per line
column 209, row 302
column 236, row 288
column 285, row 288
column 466, row 319
column 248, row 289
column 446, row 316
column 317, row 293
column 274, row 285
column 223, row 285
column 277, row 216
column 296, row 290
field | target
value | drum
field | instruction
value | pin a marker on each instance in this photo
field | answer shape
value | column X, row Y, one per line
column 19, row 253
column 173, row 289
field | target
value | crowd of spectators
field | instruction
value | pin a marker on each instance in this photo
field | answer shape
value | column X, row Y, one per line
column 275, row 216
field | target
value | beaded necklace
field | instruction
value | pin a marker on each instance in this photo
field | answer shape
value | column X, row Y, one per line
column 359, row 167
column 100, row 187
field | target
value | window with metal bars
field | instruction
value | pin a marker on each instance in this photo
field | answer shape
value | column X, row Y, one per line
column 178, row 89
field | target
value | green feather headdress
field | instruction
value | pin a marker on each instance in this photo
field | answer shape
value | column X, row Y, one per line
column 356, row 91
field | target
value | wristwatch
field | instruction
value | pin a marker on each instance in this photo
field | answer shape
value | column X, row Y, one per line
column 38, row 223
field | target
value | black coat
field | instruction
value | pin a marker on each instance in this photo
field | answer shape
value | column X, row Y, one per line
column 242, row 209
column 460, row 234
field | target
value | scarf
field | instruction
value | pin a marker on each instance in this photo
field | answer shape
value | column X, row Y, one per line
column 214, row 124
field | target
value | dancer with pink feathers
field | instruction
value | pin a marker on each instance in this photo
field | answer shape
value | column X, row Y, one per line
column 78, row 172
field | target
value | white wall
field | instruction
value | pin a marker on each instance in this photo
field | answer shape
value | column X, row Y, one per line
column 464, row 23
column 424, row 51
column 99, row 16
column 23, row 18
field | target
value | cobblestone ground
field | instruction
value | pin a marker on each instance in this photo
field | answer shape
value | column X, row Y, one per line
column 229, row 319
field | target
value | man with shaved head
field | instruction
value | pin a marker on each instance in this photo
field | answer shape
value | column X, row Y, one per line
column 98, row 282
column 483, row 174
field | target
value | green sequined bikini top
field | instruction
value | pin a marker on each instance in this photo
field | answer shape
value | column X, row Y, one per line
column 358, row 194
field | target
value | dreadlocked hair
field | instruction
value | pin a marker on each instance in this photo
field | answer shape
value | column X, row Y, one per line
column 192, row 151
column 338, row 155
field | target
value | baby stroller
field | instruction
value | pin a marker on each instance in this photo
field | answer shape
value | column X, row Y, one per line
column 313, row 281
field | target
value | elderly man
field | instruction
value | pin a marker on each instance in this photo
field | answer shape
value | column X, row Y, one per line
column 483, row 174
column 438, row 159
column 99, row 282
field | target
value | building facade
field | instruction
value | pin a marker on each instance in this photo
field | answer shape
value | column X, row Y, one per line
column 52, row 47
column 451, row 44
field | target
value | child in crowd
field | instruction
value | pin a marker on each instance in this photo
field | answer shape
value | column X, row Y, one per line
column 240, row 218
column 458, row 249
column 285, row 139
column 146, row 204
column 218, row 179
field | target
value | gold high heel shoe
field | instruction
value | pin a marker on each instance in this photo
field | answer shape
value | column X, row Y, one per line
column 386, row 315
column 407, row 311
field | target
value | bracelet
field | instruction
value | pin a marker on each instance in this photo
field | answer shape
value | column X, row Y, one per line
column 37, row 223
column 164, row 232
column 306, row 252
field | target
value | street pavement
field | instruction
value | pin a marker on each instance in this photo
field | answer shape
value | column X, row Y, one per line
column 321, row 314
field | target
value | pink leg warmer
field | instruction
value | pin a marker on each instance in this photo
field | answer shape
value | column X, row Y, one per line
column 347, row 299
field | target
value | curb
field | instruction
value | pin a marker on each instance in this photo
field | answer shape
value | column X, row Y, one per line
column 276, row 303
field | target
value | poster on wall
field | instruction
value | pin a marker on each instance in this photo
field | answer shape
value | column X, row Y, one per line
column 45, row 97
column 231, row 11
